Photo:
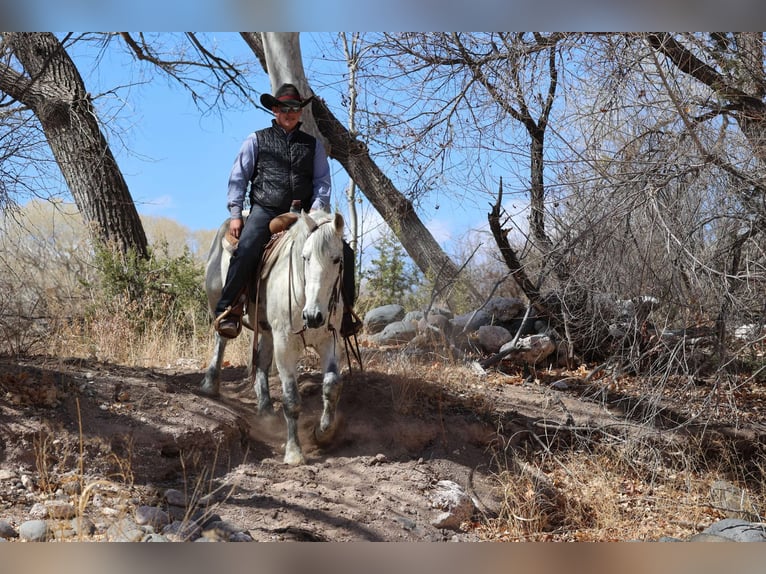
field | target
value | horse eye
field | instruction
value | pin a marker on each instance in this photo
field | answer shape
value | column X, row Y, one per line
column 336, row 260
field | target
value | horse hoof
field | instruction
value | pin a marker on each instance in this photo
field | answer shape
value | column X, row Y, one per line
column 209, row 391
column 323, row 437
column 294, row 459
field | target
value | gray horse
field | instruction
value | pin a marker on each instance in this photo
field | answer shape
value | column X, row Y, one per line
column 298, row 306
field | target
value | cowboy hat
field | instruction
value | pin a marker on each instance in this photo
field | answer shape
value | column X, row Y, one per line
column 286, row 95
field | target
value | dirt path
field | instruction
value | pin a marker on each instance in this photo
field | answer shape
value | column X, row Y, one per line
column 149, row 430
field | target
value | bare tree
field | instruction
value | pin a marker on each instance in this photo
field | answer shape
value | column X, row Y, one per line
column 51, row 87
column 281, row 55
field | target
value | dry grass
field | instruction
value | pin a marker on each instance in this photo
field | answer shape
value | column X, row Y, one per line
column 587, row 490
column 594, row 489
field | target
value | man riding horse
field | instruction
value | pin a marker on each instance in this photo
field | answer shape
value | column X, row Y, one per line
column 282, row 165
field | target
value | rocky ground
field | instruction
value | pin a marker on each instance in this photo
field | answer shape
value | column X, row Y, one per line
column 94, row 451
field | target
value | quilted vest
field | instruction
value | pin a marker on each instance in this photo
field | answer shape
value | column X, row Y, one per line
column 284, row 170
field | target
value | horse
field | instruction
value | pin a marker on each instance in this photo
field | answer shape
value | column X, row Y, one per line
column 298, row 306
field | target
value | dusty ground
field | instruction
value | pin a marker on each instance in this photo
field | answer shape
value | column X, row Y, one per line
column 146, row 430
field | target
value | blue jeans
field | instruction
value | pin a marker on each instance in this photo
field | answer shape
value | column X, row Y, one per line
column 244, row 262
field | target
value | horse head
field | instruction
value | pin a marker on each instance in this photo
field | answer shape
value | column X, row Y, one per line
column 322, row 256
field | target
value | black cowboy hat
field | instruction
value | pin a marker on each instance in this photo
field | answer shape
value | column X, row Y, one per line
column 286, row 95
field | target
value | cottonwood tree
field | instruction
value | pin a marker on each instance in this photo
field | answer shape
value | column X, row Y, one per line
column 38, row 73
column 281, row 56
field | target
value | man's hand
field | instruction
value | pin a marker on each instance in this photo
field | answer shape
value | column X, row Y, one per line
column 235, row 227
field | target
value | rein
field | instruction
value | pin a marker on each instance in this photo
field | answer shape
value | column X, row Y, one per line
column 313, row 226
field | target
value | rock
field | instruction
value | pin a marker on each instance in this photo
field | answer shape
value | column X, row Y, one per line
column 703, row 537
column 529, row 350
column 732, row 500
column 375, row 320
column 125, row 530
column 502, row 309
column 470, row 322
column 60, row 510
column 155, row 517
column 82, row 526
column 396, row 333
column 737, row 530
column 34, row 531
column 489, row 338
column 457, row 507
column 6, row 474
column 413, row 316
column 175, row 497
column 38, row 511
column 528, row 327
column 7, row 530
column 182, row 531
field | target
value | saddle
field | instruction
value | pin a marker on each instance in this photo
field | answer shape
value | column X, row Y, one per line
column 277, row 227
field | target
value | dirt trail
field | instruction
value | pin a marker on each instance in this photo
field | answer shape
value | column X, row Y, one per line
column 149, row 430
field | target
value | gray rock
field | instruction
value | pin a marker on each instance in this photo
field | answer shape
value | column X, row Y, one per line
column 413, row 316
column 455, row 504
column 470, row 322
column 738, row 530
column 154, row 537
column 175, row 497
column 703, row 537
column 82, row 526
column 38, row 511
column 125, row 530
column 182, row 531
column 435, row 321
column 396, row 333
column 156, row 517
column 733, row 501
column 7, row 530
column 530, row 350
column 489, row 338
column 375, row 320
column 34, row 531
column 60, row 510
column 503, row 309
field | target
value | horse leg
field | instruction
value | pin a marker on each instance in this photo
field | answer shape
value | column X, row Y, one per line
column 331, row 388
column 287, row 359
column 262, row 362
column 211, row 383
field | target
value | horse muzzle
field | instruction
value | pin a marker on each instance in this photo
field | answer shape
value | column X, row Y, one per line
column 313, row 320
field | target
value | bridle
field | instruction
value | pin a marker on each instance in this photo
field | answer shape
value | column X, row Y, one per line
column 334, row 295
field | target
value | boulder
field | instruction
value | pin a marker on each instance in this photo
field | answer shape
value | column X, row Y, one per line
column 396, row 333
column 502, row 309
column 490, row 338
column 529, row 350
column 375, row 320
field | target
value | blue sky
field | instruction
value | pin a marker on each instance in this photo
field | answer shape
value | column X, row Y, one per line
column 176, row 160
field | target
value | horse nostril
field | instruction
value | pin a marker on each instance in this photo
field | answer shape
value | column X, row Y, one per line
column 312, row 321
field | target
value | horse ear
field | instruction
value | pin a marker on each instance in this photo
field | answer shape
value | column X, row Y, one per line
column 338, row 223
column 309, row 221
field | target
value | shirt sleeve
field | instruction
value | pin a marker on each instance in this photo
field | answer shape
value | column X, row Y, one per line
column 322, row 182
column 241, row 174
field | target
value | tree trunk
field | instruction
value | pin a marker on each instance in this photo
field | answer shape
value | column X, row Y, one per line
column 280, row 52
column 56, row 94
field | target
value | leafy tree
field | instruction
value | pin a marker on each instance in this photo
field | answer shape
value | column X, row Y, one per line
column 390, row 277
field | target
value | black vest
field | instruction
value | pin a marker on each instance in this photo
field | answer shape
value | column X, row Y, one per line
column 284, row 170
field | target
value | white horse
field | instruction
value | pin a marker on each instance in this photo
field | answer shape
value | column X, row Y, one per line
column 298, row 306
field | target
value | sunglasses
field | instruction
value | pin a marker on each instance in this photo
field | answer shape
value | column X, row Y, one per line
column 288, row 109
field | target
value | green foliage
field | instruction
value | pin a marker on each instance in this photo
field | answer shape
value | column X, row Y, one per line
column 391, row 278
column 165, row 289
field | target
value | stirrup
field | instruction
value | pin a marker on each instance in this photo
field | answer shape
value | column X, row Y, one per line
column 232, row 317
column 350, row 324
